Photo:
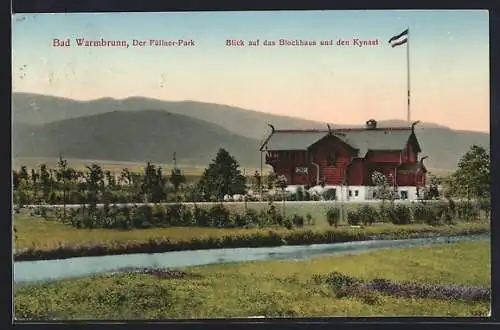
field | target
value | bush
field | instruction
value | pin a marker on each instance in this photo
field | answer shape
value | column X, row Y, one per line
column 299, row 194
column 298, row 220
column 387, row 213
column 219, row 215
column 467, row 211
column 201, row 217
column 370, row 291
column 330, row 194
column 367, row 214
column 333, row 216
column 402, row 215
column 422, row 213
column 252, row 217
column 175, row 214
column 353, row 218
column 288, row 224
column 309, row 219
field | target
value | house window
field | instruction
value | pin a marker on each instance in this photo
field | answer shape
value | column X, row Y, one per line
column 332, row 159
column 350, row 193
column 356, row 193
column 301, row 170
column 404, row 194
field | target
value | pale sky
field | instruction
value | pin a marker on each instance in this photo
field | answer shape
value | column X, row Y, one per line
column 449, row 62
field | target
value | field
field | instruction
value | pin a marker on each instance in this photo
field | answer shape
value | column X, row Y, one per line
column 117, row 166
column 37, row 238
column 270, row 288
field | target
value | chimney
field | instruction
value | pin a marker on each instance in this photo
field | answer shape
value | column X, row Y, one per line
column 371, row 124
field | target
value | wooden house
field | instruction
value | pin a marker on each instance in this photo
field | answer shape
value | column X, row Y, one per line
column 348, row 158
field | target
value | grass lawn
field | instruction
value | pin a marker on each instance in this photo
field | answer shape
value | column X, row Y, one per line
column 49, row 234
column 40, row 234
column 269, row 288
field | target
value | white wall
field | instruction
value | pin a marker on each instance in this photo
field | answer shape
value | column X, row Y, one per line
column 351, row 193
column 411, row 191
column 363, row 192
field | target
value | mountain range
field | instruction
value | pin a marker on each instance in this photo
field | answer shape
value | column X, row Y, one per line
column 142, row 129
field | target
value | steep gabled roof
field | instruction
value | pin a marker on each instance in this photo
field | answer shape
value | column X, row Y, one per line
column 292, row 139
column 378, row 139
column 364, row 140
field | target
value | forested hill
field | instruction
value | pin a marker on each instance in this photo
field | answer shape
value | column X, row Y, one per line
column 443, row 145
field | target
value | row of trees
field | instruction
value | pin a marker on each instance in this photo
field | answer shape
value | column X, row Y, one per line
column 222, row 177
column 66, row 185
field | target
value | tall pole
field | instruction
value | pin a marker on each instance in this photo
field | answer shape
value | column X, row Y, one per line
column 261, row 177
column 408, row 74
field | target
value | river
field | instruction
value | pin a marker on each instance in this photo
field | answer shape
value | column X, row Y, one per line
column 28, row 272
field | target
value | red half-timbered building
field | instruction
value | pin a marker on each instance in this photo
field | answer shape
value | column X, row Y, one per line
column 347, row 156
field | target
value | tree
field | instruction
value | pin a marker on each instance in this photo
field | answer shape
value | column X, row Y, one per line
column 177, row 178
column 222, row 177
column 94, row 180
column 15, row 179
column 110, row 179
column 472, row 177
column 432, row 191
column 271, row 180
column 281, row 183
column 158, row 192
column 35, row 183
column 125, row 177
column 149, row 181
column 23, row 174
column 257, row 181
column 65, row 175
column 45, row 182
column 383, row 190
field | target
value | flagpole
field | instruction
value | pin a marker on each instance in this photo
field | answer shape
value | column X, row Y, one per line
column 408, row 74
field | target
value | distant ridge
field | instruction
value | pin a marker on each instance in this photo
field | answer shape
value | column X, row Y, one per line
column 149, row 135
column 443, row 145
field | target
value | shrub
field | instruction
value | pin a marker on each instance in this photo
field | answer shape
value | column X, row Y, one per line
column 201, row 217
column 187, row 218
column 174, row 214
column 466, row 211
column 287, row 223
column 333, row 216
column 422, row 213
column 337, row 280
column 252, row 216
column 353, row 218
column 330, row 194
column 299, row 194
column 387, row 213
column 367, row 214
column 298, row 220
column 401, row 215
column 485, row 206
column 238, row 220
column 309, row 219
column 159, row 215
column 370, row 291
column 219, row 215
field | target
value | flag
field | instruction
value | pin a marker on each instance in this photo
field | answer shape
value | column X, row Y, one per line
column 400, row 39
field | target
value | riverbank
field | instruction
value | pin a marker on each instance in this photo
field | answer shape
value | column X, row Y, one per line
column 46, row 240
column 268, row 288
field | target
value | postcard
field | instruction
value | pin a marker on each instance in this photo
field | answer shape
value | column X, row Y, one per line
column 267, row 164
